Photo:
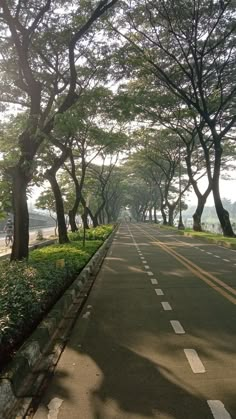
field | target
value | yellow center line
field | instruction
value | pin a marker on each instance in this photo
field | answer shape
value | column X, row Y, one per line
column 196, row 270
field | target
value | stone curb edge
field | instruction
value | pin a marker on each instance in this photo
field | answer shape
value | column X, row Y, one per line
column 207, row 239
column 22, row 379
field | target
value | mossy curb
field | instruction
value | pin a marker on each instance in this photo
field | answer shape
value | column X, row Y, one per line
column 23, row 377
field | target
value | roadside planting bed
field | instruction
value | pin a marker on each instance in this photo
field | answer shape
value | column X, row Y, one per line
column 28, row 289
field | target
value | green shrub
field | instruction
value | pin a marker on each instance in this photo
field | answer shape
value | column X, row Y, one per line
column 29, row 289
column 97, row 233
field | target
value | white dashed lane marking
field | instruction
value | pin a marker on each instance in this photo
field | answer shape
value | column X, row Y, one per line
column 226, row 260
column 177, row 326
column 158, row 291
column 150, row 273
column 217, row 256
column 194, row 361
column 166, row 306
column 209, row 253
column 218, row 410
column 154, row 281
column 146, row 267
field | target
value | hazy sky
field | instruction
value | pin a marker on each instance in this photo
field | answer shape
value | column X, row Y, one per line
column 227, row 190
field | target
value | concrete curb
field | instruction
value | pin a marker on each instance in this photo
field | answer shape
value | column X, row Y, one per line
column 25, row 375
column 206, row 239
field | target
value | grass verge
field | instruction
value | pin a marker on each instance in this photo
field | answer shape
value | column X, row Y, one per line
column 28, row 289
column 205, row 235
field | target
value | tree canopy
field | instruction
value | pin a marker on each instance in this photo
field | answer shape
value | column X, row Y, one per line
column 115, row 103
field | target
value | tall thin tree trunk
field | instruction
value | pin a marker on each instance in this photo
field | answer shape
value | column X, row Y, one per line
column 150, row 214
column 155, row 213
column 21, row 216
column 72, row 221
column 85, row 219
column 62, row 230
column 197, row 226
column 171, row 215
column 164, row 217
column 222, row 214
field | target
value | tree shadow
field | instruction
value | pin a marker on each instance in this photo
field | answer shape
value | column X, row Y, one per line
column 131, row 384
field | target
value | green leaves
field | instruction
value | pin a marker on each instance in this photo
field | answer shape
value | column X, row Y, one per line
column 28, row 290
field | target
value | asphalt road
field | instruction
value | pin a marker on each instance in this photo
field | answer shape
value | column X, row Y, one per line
column 47, row 232
column 157, row 336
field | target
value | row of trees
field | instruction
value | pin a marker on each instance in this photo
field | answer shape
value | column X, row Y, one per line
column 170, row 66
column 182, row 61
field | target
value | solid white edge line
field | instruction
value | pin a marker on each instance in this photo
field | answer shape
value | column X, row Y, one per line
column 194, row 361
column 166, row 306
column 158, row 291
column 218, row 410
column 177, row 326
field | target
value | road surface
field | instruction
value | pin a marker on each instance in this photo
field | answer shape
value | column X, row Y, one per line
column 47, row 232
column 157, row 336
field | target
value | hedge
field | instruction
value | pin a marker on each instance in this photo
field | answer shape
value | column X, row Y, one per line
column 28, row 289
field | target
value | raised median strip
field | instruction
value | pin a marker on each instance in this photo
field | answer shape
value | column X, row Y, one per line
column 25, row 375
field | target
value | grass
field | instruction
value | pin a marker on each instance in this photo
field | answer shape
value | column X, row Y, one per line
column 28, row 289
column 213, row 236
column 216, row 238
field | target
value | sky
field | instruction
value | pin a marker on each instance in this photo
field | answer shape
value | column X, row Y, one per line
column 227, row 190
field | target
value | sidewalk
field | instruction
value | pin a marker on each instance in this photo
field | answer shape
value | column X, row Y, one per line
column 112, row 367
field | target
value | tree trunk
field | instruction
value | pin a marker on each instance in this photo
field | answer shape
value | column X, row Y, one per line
column 95, row 221
column 62, row 230
column 72, row 221
column 98, row 214
column 171, row 216
column 198, row 214
column 155, row 214
column 163, row 215
column 84, row 217
column 21, row 216
column 222, row 213
column 201, row 197
column 150, row 214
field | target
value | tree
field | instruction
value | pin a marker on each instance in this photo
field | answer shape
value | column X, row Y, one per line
column 91, row 136
column 41, row 48
column 188, row 49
